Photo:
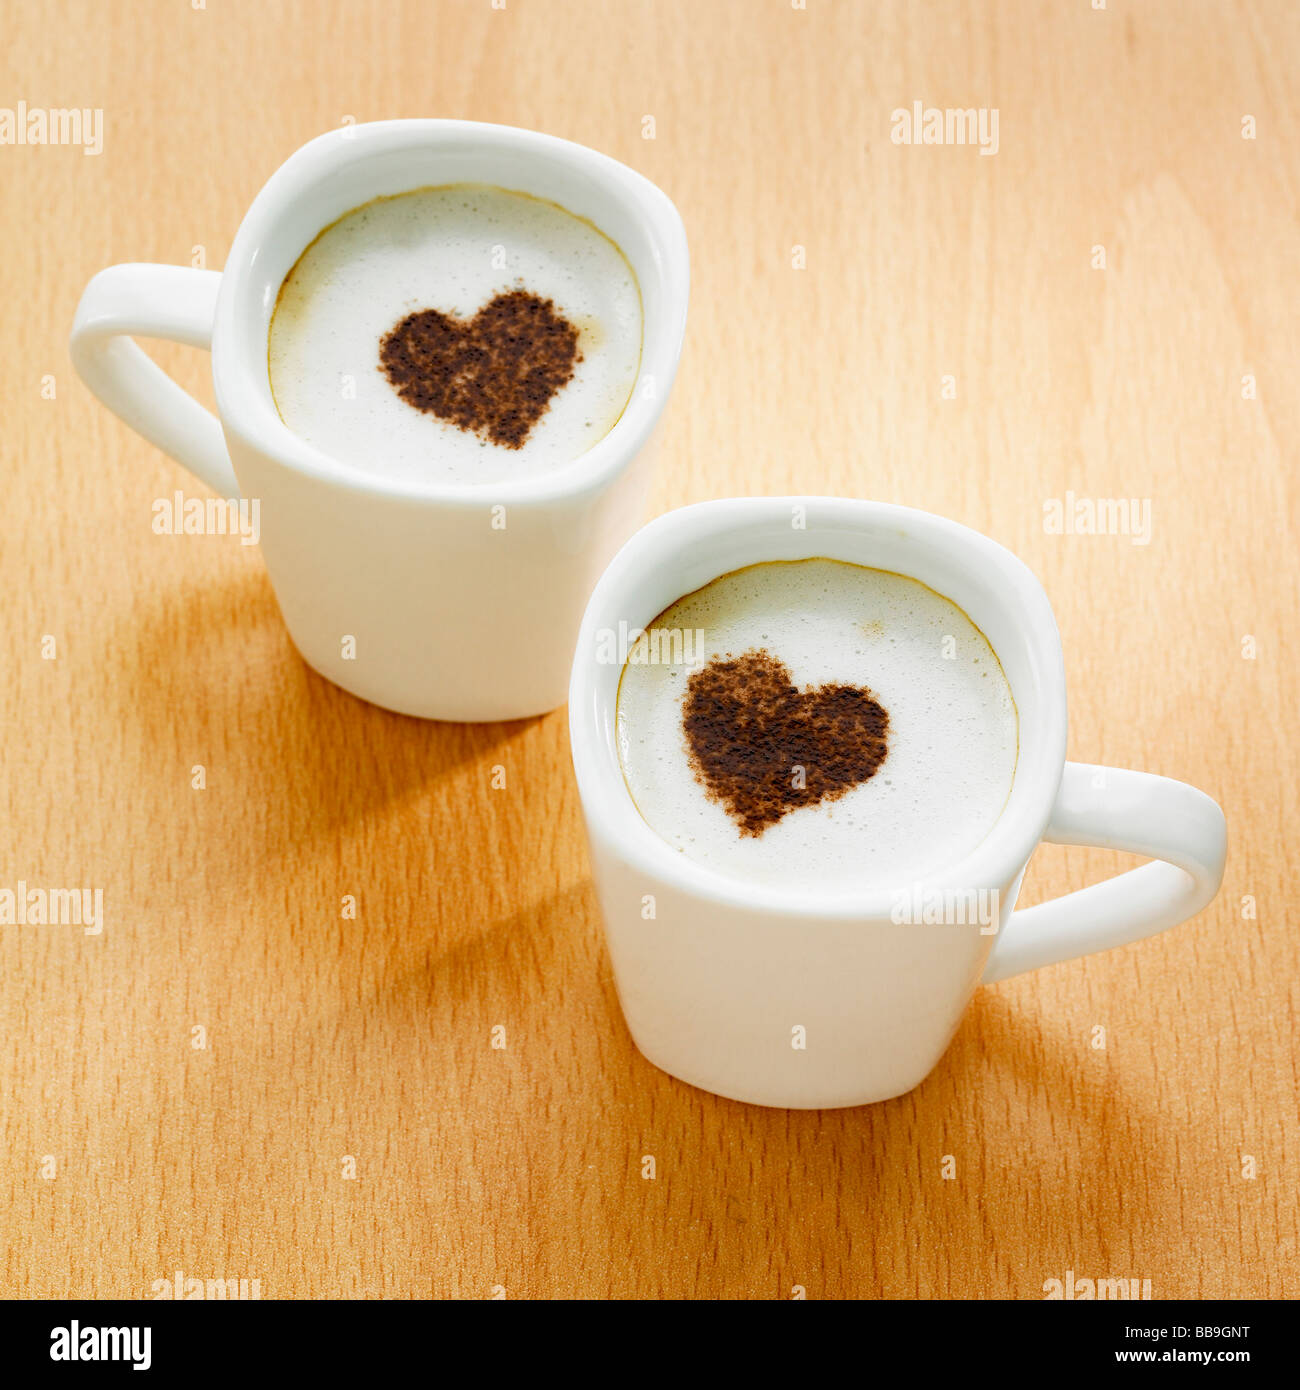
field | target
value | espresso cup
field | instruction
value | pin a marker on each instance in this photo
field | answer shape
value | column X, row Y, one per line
column 445, row 600
column 784, row 996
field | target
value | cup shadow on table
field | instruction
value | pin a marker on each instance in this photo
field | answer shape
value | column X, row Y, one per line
column 207, row 674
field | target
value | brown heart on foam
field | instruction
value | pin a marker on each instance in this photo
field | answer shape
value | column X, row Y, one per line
column 494, row 374
column 750, row 729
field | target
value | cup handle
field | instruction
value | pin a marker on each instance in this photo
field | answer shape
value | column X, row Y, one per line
column 1112, row 809
column 157, row 301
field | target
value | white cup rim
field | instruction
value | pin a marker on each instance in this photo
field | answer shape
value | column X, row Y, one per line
column 677, row 548
column 240, row 375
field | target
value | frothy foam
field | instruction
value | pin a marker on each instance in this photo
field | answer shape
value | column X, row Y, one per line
column 452, row 249
column 952, row 731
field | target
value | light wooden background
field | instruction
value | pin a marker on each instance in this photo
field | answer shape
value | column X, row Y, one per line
column 521, row 1169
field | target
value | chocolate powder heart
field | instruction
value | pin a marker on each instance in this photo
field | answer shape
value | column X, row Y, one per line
column 494, row 374
column 748, row 728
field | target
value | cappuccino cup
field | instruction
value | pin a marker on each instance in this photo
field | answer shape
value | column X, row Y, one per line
column 432, row 592
column 770, row 941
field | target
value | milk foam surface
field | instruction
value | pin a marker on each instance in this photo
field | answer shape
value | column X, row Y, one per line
column 453, row 249
column 953, row 729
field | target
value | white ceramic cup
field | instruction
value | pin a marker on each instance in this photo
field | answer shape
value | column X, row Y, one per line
column 720, row 979
column 451, row 614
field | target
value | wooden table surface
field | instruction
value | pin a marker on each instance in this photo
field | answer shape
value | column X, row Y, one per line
column 949, row 338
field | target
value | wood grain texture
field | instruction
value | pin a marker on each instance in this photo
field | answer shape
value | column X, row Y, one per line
column 522, row 1169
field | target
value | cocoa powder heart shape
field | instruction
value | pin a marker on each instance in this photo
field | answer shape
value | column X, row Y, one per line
column 494, row 374
column 749, row 728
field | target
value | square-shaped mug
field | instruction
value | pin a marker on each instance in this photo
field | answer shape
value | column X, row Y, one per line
column 787, row 997
column 448, row 601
